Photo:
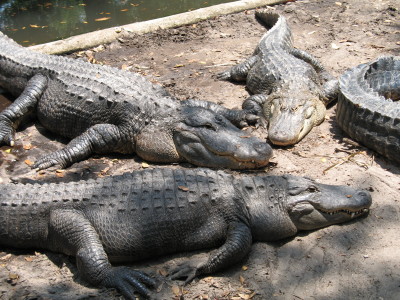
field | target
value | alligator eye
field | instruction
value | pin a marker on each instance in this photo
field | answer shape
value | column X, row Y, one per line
column 312, row 189
column 209, row 126
column 309, row 112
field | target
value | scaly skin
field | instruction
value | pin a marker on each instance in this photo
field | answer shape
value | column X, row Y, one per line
column 156, row 212
column 368, row 109
column 290, row 87
column 103, row 110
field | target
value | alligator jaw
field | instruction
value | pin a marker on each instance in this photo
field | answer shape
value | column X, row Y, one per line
column 193, row 144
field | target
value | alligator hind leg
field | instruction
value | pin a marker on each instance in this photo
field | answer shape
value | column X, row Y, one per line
column 236, row 247
column 240, row 71
column 21, row 107
column 72, row 233
column 331, row 85
column 100, row 138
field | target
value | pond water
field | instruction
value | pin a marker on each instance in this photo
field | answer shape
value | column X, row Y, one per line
column 31, row 22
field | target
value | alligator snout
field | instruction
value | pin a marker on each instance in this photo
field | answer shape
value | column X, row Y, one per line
column 362, row 198
column 263, row 149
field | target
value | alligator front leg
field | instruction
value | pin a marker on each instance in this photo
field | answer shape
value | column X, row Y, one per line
column 72, row 233
column 240, row 71
column 21, row 107
column 100, row 138
column 239, row 118
column 236, row 247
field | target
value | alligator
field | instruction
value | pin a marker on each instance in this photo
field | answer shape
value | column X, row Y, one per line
column 290, row 87
column 104, row 109
column 149, row 213
column 368, row 108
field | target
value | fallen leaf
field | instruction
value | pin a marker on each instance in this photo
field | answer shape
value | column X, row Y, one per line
column 29, row 259
column 60, row 175
column 125, row 9
column 183, row 188
column 241, row 279
column 5, row 257
column 334, row 46
column 34, row 26
column 145, row 165
column 176, row 290
column 179, row 66
column 27, row 146
column 244, row 268
column 28, row 162
column 7, row 150
column 102, row 19
column 13, row 276
column 163, row 272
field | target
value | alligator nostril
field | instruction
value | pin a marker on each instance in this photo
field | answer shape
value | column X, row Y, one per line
column 263, row 149
column 364, row 196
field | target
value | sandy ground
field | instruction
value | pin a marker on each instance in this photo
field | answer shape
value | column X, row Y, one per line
column 358, row 260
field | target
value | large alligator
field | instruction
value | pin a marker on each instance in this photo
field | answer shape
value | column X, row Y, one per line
column 369, row 105
column 104, row 109
column 155, row 212
column 290, row 87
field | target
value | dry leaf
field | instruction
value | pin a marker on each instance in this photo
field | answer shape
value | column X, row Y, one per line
column 7, row 150
column 34, row 26
column 125, row 9
column 60, row 175
column 176, row 290
column 29, row 259
column 179, row 66
column 241, row 279
column 5, row 257
column 13, row 276
column 244, row 268
column 145, row 165
column 27, row 147
column 28, row 162
column 163, row 272
column 183, row 188
column 102, row 19
column 334, row 46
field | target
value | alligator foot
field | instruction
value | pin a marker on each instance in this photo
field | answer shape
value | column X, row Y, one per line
column 53, row 159
column 7, row 131
column 128, row 281
column 188, row 271
column 224, row 75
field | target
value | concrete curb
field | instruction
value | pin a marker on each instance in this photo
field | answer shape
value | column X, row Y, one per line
column 105, row 36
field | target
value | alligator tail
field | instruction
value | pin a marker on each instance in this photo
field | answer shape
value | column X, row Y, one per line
column 267, row 18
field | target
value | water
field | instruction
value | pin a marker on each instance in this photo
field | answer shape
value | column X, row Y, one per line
column 31, row 22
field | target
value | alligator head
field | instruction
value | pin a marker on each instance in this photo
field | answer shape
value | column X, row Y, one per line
column 292, row 113
column 297, row 203
column 203, row 138
column 314, row 205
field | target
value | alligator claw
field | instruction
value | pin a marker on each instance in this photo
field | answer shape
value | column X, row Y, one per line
column 224, row 75
column 128, row 281
column 188, row 271
column 7, row 132
column 48, row 161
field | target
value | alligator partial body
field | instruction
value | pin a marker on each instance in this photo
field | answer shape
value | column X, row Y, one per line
column 290, row 87
column 104, row 109
column 156, row 212
column 369, row 105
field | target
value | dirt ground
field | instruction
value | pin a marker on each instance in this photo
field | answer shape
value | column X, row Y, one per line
column 357, row 260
